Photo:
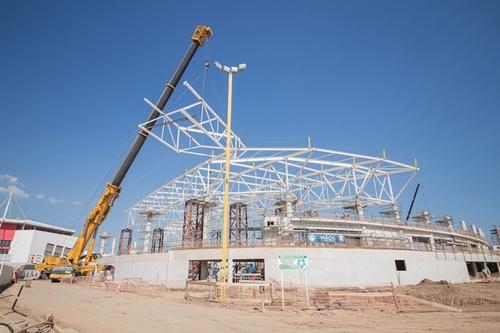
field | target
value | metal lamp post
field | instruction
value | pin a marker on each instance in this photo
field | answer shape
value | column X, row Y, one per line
column 225, row 227
column 7, row 206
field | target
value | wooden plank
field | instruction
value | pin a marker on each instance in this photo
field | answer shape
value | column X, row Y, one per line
column 395, row 298
column 239, row 284
column 369, row 294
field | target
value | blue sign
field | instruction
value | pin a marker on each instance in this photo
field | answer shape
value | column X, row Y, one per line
column 326, row 238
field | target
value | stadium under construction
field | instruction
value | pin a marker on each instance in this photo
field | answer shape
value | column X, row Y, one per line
column 339, row 210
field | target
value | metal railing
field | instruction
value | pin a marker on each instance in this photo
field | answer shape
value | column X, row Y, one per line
column 388, row 243
column 353, row 239
column 391, row 222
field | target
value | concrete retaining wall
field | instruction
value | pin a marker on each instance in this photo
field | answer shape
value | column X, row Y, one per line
column 328, row 267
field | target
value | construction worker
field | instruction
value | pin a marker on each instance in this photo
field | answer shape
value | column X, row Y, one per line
column 15, row 275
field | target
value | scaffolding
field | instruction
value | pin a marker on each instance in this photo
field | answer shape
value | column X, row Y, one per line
column 495, row 235
column 194, row 221
column 238, row 223
column 157, row 241
column 445, row 222
column 125, row 241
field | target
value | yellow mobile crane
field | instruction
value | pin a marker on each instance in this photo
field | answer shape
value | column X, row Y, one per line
column 83, row 264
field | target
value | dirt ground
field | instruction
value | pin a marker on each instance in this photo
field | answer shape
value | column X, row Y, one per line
column 470, row 297
column 90, row 310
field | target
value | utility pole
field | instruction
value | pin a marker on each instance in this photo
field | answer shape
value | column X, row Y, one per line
column 225, row 225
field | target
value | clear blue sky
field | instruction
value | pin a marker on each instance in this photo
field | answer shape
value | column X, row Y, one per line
column 419, row 78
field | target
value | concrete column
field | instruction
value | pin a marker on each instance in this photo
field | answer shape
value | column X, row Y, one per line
column 289, row 210
column 230, row 265
column 359, row 209
column 113, row 244
column 395, row 211
column 285, row 221
column 463, row 226
column 431, row 241
column 474, row 269
column 203, row 270
column 427, row 216
column 147, row 237
column 103, row 243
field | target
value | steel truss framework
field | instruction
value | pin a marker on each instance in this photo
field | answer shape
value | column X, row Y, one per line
column 194, row 220
column 238, row 223
column 314, row 178
column 157, row 241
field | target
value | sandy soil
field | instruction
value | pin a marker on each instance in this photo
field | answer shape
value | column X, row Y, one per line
column 468, row 297
column 91, row 310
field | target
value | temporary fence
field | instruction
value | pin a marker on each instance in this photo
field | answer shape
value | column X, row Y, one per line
column 388, row 299
column 136, row 286
column 269, row 296
column 87, row 280
column 251, row 293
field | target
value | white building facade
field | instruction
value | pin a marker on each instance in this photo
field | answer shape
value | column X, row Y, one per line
column 27, row 241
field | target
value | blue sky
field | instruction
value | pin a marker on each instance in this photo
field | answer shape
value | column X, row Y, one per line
column 418, row 78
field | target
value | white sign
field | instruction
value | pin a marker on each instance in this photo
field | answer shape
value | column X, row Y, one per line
column 293, row 262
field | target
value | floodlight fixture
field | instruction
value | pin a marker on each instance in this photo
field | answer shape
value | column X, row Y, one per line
column 232, row 69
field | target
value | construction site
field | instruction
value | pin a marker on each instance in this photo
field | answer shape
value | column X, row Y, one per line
column 252, row 238
column 256, row 207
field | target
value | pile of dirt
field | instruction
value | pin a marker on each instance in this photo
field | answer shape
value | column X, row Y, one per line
column 483, row 296
column 427, row 281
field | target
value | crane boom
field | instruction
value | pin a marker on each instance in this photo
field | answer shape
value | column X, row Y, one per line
column 100, row 211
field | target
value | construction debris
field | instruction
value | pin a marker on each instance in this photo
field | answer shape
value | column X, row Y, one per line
column 14, row 321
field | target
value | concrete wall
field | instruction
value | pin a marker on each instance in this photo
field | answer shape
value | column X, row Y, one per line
column 6, row 275
column 27, row 243
column 327, row 266
column 20, row 246
column 149, row 267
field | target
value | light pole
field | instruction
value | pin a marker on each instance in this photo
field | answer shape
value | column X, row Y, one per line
column 225, row 226
column 6, row 210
